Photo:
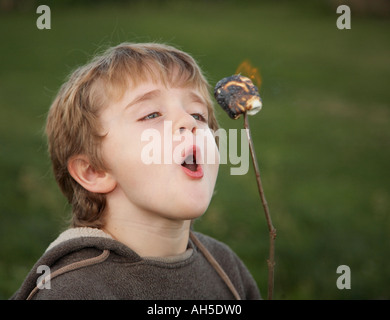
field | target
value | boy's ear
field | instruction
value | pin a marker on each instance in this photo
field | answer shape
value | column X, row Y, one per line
column 92, row 180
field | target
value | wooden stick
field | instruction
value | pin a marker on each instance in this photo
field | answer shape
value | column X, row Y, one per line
column 272, row 230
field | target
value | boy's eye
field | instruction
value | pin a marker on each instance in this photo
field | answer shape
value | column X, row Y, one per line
column 151, row 116
column 199, row 117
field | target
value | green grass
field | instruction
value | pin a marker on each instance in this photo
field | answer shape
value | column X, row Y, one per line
column 322, row 138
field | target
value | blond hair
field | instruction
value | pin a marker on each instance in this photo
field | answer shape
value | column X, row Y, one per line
column 73, row 126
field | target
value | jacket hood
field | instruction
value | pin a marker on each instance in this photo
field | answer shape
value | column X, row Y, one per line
column 69, row 242
column 78, row 248
column 74, row 233
column 73, row 240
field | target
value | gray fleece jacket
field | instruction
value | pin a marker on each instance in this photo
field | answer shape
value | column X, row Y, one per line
column 86, row 263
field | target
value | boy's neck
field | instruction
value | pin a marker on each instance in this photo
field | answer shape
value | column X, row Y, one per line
column 162, row 239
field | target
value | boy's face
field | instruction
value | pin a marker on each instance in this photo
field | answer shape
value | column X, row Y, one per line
column 150, row 132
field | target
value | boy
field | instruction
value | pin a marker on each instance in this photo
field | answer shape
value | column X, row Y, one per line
column 131, row 218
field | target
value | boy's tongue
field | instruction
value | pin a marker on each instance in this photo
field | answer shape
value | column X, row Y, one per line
column 191, row 167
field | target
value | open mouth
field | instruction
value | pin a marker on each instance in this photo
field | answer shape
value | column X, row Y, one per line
column 190, row 165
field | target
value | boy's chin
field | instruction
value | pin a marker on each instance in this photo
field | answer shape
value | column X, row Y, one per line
column 193, row 215
column 190, row 213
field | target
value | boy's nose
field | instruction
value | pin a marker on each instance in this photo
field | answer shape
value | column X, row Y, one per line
column 183, row 129
column 184, row 122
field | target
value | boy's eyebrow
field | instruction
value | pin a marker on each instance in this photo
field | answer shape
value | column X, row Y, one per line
column 197, row 98
column 143, row 97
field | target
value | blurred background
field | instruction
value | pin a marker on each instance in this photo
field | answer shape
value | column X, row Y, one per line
column 322, row 138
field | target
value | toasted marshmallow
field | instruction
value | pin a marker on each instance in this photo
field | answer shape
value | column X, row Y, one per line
column 236, row 95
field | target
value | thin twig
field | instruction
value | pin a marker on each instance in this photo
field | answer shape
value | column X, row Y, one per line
column 272, row 230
